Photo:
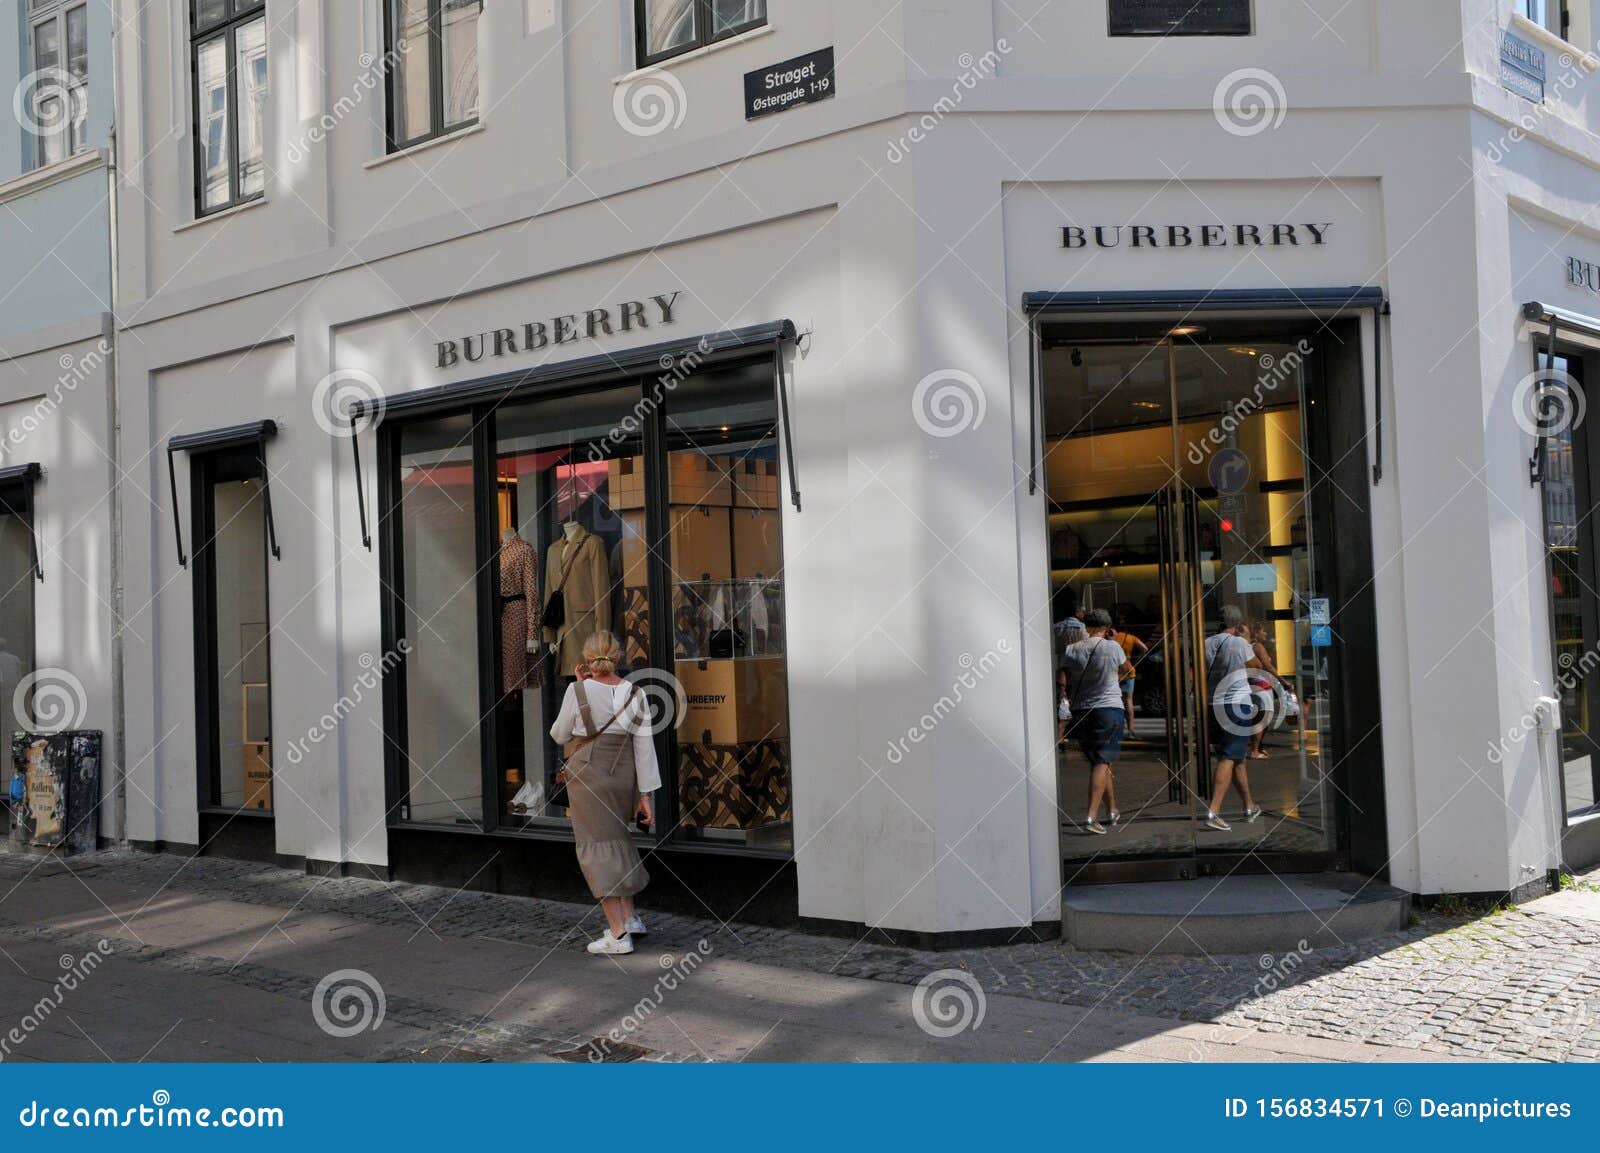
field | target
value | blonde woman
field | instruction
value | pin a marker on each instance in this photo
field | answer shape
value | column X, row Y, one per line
column 611, row 772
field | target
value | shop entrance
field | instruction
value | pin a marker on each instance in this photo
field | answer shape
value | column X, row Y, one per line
column 1191, row 507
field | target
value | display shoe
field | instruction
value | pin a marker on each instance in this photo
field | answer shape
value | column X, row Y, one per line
column 636, row 926
column 611, row 946
column 1215, row 822
column 1251, row 816
column 1096, row 828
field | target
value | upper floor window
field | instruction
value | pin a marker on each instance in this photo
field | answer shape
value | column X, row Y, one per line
column 668, row 28
column 433, row 73
column 1180, row 17
column 1549, row 14
column 57, row 96
column 228, row 60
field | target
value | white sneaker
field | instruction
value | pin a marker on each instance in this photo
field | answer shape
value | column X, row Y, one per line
column 1251, row 816
column 636, row 926
column 1215, row 822
column 611, row 946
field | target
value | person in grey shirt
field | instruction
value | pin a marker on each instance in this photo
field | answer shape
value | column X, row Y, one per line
column 1229, row 657
column 1095, row 667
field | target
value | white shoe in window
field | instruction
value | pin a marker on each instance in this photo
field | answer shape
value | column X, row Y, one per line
column 636, row 926
column 611, row 946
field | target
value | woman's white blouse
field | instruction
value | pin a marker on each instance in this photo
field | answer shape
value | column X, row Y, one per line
column 604, row 701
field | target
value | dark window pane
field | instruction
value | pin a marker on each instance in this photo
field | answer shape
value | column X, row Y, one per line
column 459, row 45
column 211, row 82
column 669, row 25
column 16, row 630
column 250, row 49
column 727, row 15
column 413, row 48
column 208, row 12
column 1180, row 17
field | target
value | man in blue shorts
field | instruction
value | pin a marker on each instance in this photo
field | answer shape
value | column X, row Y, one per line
column 1095, row 667
column 1233, row 714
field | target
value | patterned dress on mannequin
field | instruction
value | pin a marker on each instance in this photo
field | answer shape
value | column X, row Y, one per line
column 519, row 616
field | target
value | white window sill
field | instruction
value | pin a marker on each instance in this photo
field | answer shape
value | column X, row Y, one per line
column 1548, row 39
column 220, row 214
column 38, row 178
column 698, row 53
column 404, row 153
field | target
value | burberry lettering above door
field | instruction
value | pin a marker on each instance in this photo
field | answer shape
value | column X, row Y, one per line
column 571, row 328
column 1195, row 235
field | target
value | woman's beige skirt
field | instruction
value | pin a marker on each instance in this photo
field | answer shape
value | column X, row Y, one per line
column 602, row 794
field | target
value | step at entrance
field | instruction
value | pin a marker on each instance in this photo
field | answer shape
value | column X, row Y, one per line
column 1236, row 914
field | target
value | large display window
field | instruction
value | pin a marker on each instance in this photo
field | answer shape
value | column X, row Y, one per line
column 647, row 507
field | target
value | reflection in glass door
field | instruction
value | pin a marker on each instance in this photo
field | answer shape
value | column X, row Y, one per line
column 1179, row 512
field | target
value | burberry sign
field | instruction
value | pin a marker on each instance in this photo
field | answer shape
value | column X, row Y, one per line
column 570, row 328
column 1195, row 235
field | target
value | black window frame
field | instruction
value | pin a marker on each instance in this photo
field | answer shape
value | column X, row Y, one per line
column 236, row 13
column 703, row 37
column 437, row 126
column 1190, row 23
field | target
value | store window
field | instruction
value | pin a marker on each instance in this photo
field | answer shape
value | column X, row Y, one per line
column 726, row 563
column 59, row 110
column 438, row 587
column 228, row 56
column 668, row 28
column 648, row 508
column 18, row 569
column 233, row 630
column 433, row 77
column 569, row 516
column 1570, row 483
column 1180, row 17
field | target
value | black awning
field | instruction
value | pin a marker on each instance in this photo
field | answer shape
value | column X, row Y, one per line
column 16, row 495
column 1561, row 320
column 229, row 437
column 589, row 369
column 233, row 436
column 1318, row 300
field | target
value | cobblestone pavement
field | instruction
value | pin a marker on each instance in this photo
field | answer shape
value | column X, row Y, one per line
column 1518, row 984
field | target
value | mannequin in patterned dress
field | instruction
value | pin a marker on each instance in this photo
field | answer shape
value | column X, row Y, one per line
column 519, row 614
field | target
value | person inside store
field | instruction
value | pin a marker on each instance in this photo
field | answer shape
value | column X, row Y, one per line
column 1229, row 657
column 612, row 774
column 1063, row 706
column 1134, row 649
column 1097, row 666
column 1069, row 628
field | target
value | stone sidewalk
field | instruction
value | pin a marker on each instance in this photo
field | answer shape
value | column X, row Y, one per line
column 208, row 959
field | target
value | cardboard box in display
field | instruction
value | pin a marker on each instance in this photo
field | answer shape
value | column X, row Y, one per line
column 257, row 775
column 732, row 702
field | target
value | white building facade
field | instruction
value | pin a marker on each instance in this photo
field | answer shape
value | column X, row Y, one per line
column 833, row 355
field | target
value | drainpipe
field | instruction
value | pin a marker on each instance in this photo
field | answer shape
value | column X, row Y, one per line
column 119, row 745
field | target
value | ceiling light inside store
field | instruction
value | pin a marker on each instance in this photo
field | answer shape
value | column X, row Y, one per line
column 1187, row 330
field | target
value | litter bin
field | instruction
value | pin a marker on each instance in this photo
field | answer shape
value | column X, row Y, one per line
column 59, row 776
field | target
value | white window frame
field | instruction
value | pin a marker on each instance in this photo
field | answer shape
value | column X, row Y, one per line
column 40, row 14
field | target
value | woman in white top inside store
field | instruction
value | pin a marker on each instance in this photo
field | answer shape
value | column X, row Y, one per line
column 611, row 772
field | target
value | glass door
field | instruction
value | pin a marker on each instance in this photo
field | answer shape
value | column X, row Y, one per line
column 1182, row 532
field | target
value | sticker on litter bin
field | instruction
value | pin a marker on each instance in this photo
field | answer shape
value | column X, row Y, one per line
column 1321, row 636
column 1321, row 612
